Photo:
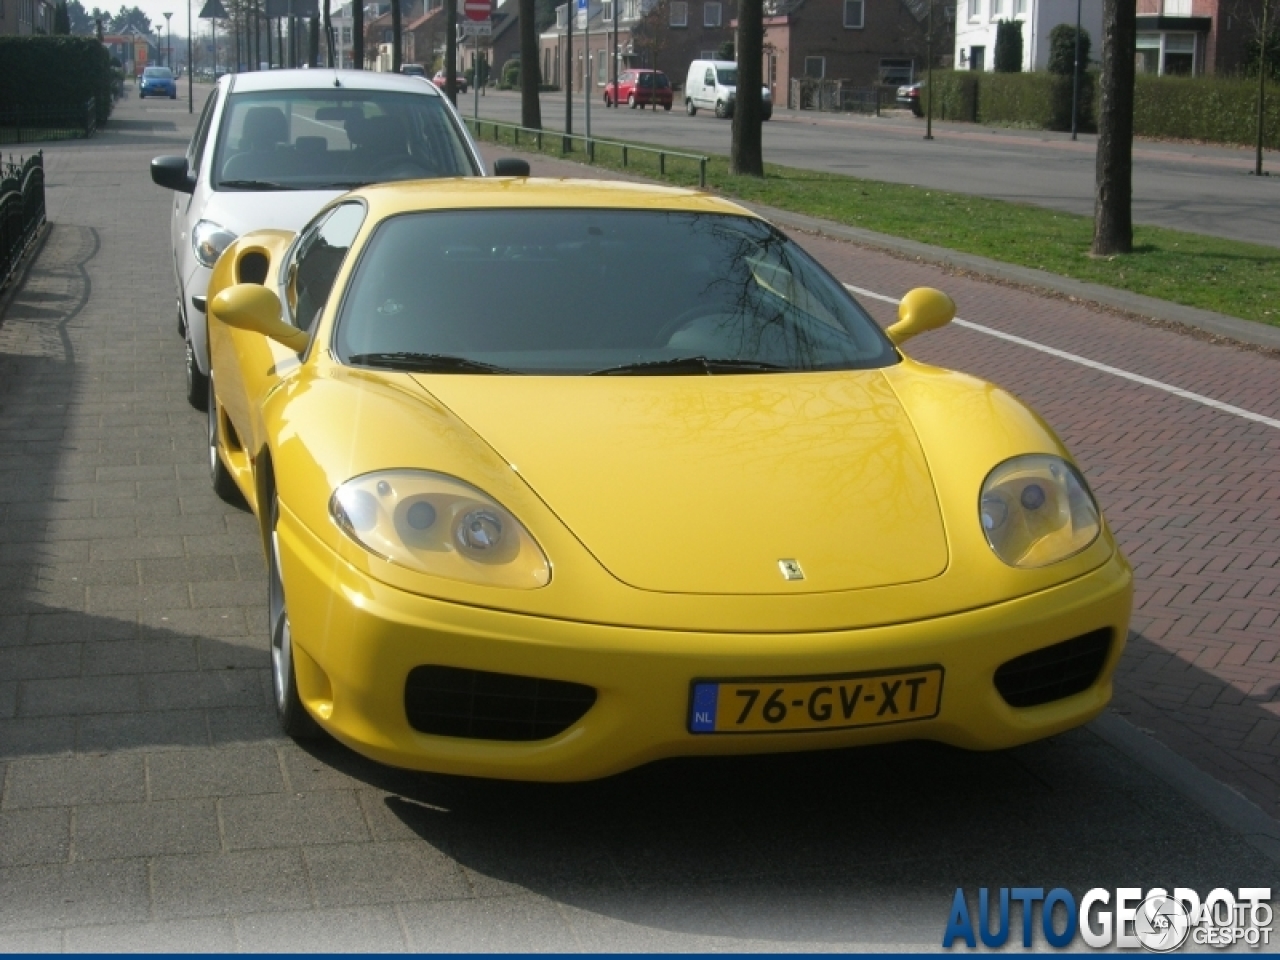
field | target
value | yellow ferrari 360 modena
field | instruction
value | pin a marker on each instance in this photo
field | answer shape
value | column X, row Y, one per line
column 556, row 478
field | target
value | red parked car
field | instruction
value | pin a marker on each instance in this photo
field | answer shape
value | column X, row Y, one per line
column 639, row 88
column 459, row 78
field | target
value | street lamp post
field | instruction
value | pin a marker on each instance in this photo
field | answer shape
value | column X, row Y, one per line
column 168, row 43
column 1075, row 78
column 928, row 77
column 191, row 64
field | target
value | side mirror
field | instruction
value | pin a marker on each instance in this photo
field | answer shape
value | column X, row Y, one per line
column 249, row 306
column 171, row 172
column 510, row 167
column 921, row 310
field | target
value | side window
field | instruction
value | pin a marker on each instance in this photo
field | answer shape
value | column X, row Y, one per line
column 317, row 259
column 195, row 152
column 710, row 78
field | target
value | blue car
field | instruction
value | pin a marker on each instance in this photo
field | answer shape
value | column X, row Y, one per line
column 158, row 82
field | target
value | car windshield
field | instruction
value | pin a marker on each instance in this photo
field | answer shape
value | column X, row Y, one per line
column 336, row 139
column 728, row 76
column 158, row 73
column 567, row 291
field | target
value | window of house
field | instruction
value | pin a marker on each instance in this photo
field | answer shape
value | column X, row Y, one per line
column 1148, row 56
column 562, row 15
column 1177, row 8
column 815, row 67
column 711, row 14
column 606, row 10
column 1019, row 8
column 975, row 9
column 679, row 13
column 1179, row 54
column 602, row 68
column 706, row 54
column 854, row 11
column 997, row 9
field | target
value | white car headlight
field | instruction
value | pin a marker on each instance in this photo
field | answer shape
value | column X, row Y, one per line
column 439, row 525
column 1036, row 510
column 208, row 239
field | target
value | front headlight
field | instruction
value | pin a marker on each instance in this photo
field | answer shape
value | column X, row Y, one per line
column 439, row 525
column 208, row 240
column 1036, row 510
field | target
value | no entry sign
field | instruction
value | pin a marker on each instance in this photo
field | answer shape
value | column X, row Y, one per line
column 477, row 9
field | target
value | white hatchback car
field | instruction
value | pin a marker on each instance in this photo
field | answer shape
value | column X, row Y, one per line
column 272, row 148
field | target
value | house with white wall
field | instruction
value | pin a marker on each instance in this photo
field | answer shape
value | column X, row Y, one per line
column 976, row 29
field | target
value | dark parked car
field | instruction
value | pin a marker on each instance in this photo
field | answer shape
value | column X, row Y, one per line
column 158, row 82
column 909, row 96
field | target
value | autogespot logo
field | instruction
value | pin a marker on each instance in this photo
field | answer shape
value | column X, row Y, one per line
column 1156, row 920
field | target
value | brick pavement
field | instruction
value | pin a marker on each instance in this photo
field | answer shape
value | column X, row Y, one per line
column 146, row 800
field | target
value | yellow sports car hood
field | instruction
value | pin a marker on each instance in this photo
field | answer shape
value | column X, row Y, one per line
column 743, row 484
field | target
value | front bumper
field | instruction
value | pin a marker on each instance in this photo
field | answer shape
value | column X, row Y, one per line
column 356, row 640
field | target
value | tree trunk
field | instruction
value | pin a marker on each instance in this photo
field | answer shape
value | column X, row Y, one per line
column 397, row 51
column 1113, row 186
column 357, row 35
column 747, row 157
column 530, row 74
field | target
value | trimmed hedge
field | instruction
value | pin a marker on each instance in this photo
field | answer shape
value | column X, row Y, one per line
column 55, row 72
column 1213, row 109
column 1216, row 109
column 954, row 94
column 1038, row 100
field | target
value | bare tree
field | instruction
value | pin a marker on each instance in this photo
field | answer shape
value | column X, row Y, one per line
column 1113, row 179
column 651, row 34
column 747, row 153
column 530, row 75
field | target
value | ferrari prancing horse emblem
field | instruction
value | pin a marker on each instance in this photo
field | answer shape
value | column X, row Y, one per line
column 790, row 570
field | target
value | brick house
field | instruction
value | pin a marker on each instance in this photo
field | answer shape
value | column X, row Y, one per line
column 674, row 33
column 25, row 18
column 862, row 41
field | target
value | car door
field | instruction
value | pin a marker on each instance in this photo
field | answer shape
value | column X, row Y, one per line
column 707, row 92
column 248, row 366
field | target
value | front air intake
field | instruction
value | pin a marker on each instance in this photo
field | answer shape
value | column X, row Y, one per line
column 1054, row 673
column 451, row 702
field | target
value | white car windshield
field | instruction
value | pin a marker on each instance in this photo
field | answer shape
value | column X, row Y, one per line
column 556, row 291
column 336, row 140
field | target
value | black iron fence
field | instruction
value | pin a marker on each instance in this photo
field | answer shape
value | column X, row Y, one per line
column 21, row 211
column 25, row 123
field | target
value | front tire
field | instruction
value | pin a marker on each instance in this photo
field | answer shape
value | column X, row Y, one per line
column 722, row 111
column 631, row 100
column 293, row 716
column 666, row 107
column 224, row 485
column 197, row 382
column 689, row 108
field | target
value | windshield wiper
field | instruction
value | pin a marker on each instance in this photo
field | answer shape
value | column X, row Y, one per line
column 688, row 365
column 426, row 363
column 339, row 185
column 255, row 185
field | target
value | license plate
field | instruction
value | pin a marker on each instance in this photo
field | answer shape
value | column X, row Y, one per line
column 788, row 704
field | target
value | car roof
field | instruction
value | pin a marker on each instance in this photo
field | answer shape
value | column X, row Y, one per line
column 323, row 78
column 389, row 199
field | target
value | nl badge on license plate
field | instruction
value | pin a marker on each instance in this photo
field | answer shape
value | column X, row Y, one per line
column 792, row 704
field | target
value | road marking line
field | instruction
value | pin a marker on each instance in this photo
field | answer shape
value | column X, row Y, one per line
column 1093, row 364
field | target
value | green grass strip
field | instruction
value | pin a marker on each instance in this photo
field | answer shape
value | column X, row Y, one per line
column 1225, row 276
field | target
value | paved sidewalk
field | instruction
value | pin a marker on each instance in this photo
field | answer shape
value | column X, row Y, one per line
column 146, row 800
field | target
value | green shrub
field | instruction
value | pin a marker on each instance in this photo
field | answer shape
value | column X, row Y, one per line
column 1062, row 49
column 954, row 94
column 1038, row 100
column 1217, row 109
column 1009, row 46
column 55, row 72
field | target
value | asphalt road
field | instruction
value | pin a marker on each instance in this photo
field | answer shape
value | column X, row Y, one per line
column 147, row 801
column 1203, row 189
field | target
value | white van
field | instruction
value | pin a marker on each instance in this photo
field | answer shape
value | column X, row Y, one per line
column 713, row 84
